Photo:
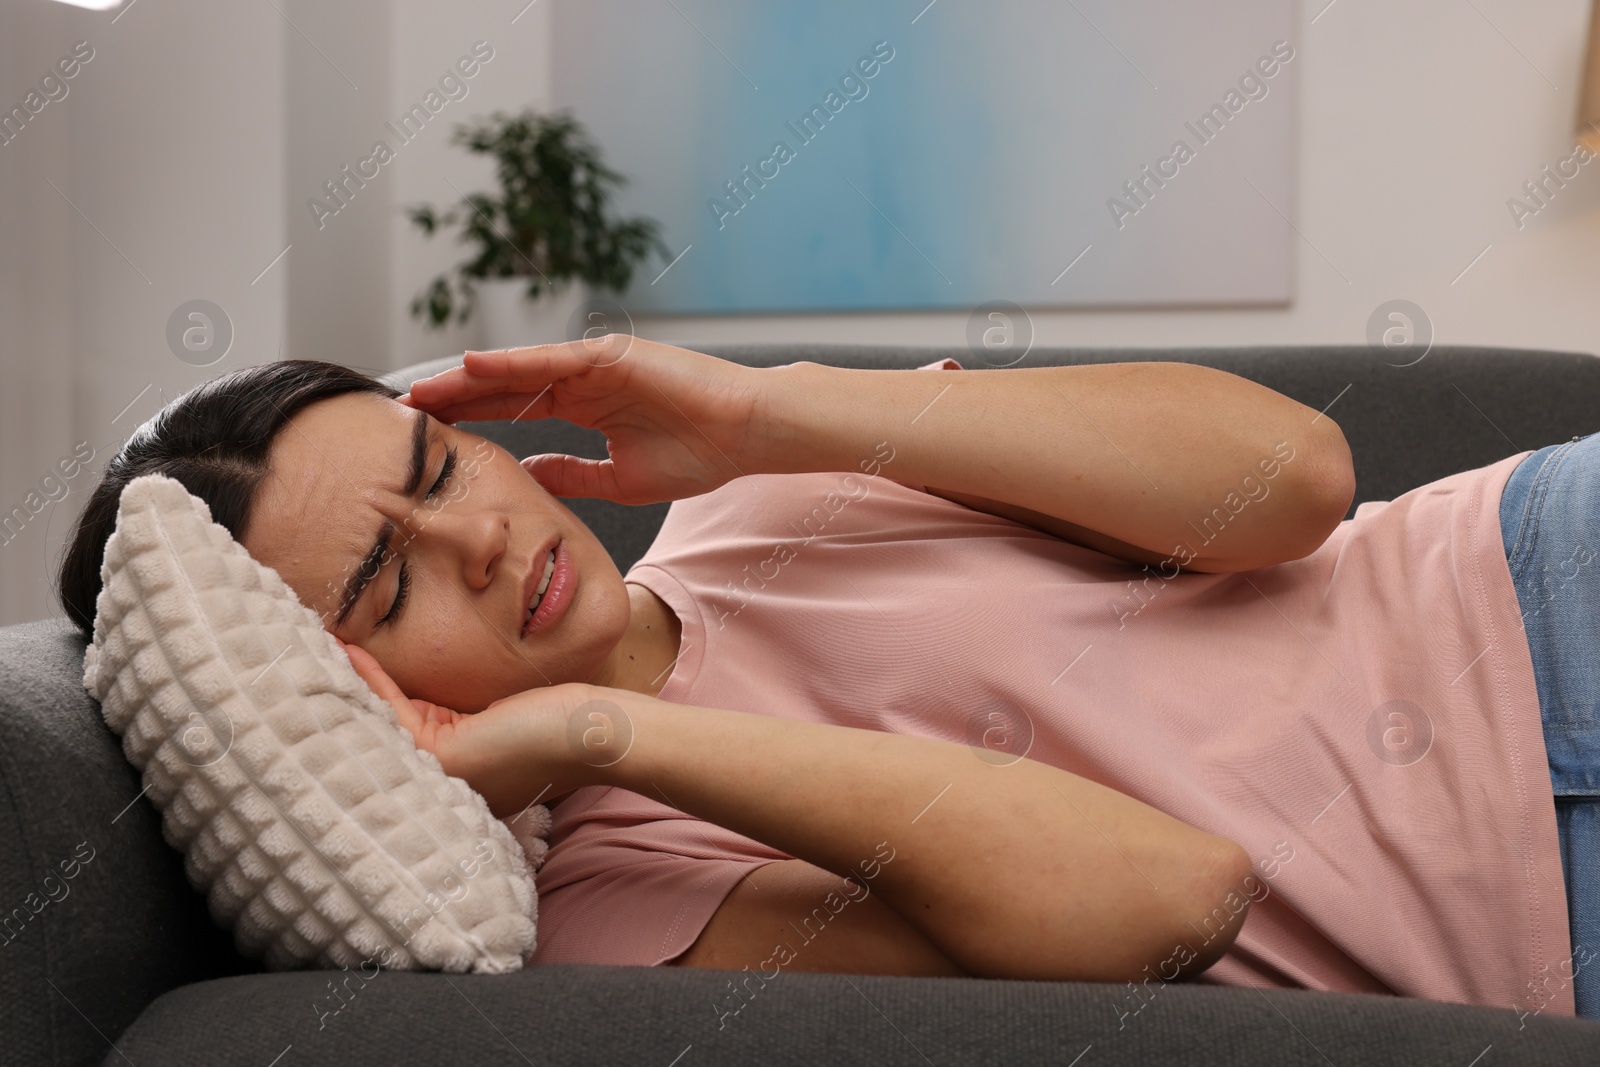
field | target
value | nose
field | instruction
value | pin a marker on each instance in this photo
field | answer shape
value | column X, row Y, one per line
column 476, row 540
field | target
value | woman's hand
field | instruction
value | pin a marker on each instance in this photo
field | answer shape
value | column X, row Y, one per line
column 514, row 752
column 677, row 423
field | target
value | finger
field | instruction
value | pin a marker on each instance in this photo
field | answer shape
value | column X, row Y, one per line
column 434, row 713
column 483, row 373
column 380, row 682
column 405, row 398
column 370, row 671
column 454, row 384
column 435, row 381
column 574, row 477
column 459, row 383
column 471, row 390
column 558, row 359
column 533, row 405
column 519, row 369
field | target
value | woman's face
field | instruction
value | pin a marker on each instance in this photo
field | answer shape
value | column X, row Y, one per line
column 432, row 578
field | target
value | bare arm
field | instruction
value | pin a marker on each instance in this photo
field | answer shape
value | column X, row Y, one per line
column 1128, row 458
column 1019, row 871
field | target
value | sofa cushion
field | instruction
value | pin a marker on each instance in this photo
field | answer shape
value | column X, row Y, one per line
column 585, row 1014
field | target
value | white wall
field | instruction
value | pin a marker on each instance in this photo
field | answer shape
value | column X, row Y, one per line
column 169, row 147
column 429, row 38
column 193, row 139
column 336, row 272
column 191, row 144
column 36, row 320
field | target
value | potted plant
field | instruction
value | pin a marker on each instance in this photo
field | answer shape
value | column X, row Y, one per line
column 543, row 242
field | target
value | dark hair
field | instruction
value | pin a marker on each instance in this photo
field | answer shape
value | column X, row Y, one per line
column 214, row 439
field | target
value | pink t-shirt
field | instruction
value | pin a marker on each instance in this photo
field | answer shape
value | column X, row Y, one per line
column 1363, row 721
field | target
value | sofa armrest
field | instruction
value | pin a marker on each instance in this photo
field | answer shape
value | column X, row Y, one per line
column 96, row 916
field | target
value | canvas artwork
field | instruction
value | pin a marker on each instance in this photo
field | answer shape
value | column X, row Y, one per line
column 900, row 154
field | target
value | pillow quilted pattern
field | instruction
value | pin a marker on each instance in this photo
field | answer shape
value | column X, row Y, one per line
column 316, row 828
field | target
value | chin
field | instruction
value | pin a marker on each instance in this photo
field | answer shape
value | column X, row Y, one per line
column 603, row 616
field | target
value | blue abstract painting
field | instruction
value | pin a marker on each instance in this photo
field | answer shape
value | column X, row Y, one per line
column 880, row 154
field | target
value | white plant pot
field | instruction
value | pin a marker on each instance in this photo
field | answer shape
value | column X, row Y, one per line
column 511, row 320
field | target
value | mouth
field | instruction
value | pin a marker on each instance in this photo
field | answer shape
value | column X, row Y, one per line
column 548, row 588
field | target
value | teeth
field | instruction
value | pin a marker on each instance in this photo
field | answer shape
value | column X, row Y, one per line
column 544, row 582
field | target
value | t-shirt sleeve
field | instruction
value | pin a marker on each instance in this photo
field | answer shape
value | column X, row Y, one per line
column 631, row 881
column 940, row 364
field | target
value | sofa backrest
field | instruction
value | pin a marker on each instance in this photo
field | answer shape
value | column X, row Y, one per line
column 1454, row 409
column 102, row 920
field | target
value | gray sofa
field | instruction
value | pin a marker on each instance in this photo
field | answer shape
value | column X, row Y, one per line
column 120, row 963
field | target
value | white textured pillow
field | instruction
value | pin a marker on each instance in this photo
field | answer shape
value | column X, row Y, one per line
column 305, row 812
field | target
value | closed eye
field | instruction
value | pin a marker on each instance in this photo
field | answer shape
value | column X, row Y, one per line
column 402, row 591
column 448, row 469
column 403, row 581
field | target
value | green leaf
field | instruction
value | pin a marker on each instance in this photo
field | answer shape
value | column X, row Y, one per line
column 549, row 221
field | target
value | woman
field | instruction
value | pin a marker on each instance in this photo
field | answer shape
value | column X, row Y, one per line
column 794, row 736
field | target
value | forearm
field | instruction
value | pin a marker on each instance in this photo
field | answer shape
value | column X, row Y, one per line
column 1141, row 452
column 1020, row 870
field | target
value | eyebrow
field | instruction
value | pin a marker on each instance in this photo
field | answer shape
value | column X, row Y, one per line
column 367, row 570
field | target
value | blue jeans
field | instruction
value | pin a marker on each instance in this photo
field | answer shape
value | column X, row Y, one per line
column 1550, row 523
